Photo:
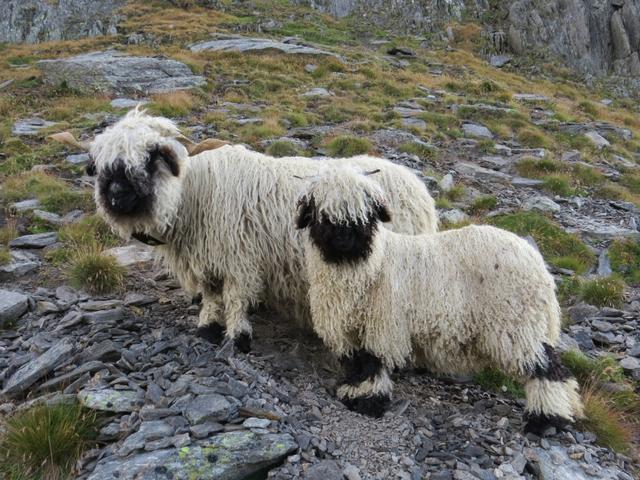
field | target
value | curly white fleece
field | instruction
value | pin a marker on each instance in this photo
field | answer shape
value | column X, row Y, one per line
column 455, row 301
column 229, row 217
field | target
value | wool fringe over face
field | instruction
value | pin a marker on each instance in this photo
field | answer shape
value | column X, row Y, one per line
column 228, row 218
column 453, row 302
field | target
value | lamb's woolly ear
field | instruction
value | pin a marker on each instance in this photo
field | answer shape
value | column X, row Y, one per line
column 90, row 169
column 169, row 156
column 382, row 213
column 68, row 139
column 203, row 146
column 305, row 213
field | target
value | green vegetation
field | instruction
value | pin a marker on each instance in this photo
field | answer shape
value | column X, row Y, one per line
column 556, row 245
column 533, row 168
column 455, row 193
column 533, row 138
column 496, row 380
column 92, row 270
column 603, row 292
column 174, row 104
column 625, row 259
column 483, row 204
column 53, row 193
column 348, row 146
column 423, row 151
column 282, row 148
column 558, row 185
column 45, row 441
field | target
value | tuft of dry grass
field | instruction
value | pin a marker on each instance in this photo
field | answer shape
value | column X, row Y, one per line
column 174, row 104
column 90, row 269
column 45, row 441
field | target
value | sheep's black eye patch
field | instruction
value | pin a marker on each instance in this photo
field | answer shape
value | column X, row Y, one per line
column 165, row 154
column 343, row 243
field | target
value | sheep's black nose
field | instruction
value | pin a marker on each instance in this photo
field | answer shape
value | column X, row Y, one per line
column 121, row 197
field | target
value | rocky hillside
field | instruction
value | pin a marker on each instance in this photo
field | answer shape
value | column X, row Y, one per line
column 101, row 374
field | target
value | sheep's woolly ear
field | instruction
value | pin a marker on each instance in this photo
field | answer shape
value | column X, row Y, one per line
column 382, row 212
column 305, row 213
column 168, row 156
column 203, row 146
column 68, row 139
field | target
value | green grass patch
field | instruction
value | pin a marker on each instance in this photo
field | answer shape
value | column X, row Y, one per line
column 8, row 232
column 625, row 259
column 455, row 193
column 348, row 146
column 585, row 369
column 554, row 243
column 425, row 152
column 5, row 256
column 44, row 442
column 95, row 272
column 534, row 138
column 175, row 104
column 558, row 184
column 612, row 426
column 496, row 380
column 603, row 292
column 631, row 181
column 483, row 204
column 534, row 168
column 54, row 194
column 282, row 148
column 87, row 232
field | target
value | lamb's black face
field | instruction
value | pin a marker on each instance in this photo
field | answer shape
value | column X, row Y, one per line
column 341, row 243
column 131, row 193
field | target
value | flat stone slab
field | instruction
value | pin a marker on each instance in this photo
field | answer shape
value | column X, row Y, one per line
column 21, row 263
column 37, row 240
column 226, row 456
column 127, row 102
column 25, row 205
column 480, row 173
column 252, row 44
column 131, row 254
column 30, row 126
column 112, row 71
column 530, row 97
column 12, row 306
column 206, row 408
column 475, row 130
column 31, row 372
column 79, row 159
column 111, row 400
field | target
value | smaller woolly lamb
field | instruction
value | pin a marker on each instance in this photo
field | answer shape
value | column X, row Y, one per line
column 453, row 302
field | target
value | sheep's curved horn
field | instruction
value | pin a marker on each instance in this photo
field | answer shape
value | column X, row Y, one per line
column 203, row 146
column 68, row 139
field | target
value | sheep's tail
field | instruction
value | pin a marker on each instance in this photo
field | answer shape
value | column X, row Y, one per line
column 553, row 397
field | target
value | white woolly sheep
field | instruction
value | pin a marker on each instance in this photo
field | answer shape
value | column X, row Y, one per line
column 453, row 302
column 223, row 218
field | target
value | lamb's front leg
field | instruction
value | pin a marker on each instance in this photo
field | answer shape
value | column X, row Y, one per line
column 366, row 387
column 237, row 300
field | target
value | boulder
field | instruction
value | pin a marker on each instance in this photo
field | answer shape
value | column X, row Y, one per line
column 226, row 456
column 111, row 400
column 12, row 306
column 251, row 44
column 37, row 240
column 114, row 72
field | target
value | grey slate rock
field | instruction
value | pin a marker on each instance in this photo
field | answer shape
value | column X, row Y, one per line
column 251, row 44
column 12, row 306
column 205, row 408
column 111, row 400
column 25, row 205
column 112, row 71
column 227, row 456
column 147, row 432
column 36, row 240
column 79, row 159
column 325, row 470
column 30, row 126
column 28, row 374
column 475, row 130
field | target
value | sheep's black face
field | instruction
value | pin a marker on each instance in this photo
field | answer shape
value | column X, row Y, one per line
column 130, row 192
column 340, row 243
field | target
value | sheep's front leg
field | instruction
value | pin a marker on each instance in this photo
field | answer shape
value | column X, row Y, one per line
column 211, row 321
column 366, row 387
column 236, row 305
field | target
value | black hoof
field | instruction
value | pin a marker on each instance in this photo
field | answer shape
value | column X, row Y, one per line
column 371, row 405
column 539, row 423
column 243, row 342
column 213, row 333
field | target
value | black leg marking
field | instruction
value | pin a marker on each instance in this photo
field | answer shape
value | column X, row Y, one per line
column 213, row 333
column 371, row 405
column 196, row 299
column 538, row 423
column 360, row 366
column 554, row 370
column 243, row 342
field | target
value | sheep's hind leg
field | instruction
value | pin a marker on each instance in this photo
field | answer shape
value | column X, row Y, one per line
column 552, row 394
column 366, row 387
column 210, row 321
